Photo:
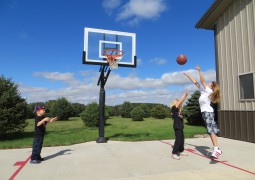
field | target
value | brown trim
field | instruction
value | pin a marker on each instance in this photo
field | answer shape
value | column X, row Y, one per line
column 239, row 125
column 207, row 13
column 208, row 20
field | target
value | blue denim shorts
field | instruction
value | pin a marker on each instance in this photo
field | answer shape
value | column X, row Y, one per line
column 210, row 124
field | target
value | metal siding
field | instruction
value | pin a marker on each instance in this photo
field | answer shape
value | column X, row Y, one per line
column 253, row 117
column 238, row 125
column 221, row 123
column 235, row 38
column 244, row 127
column 250, row 126
column 251, row 37
column 232, row 124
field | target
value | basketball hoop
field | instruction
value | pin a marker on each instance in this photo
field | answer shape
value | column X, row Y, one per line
column 113, row 57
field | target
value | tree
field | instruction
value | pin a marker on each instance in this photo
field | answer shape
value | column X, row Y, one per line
column 126, row 109
column 191, row 110
column 137, row 114
column 62, row 109
column 146, row 110
column 116, row 110
column 107, row 112
column 12, row 109
column 77, row 109
column 158, row 112
column 48, row 105
column 90, row 116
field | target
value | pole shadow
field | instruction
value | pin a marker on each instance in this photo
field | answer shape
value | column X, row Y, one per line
column 60, row 153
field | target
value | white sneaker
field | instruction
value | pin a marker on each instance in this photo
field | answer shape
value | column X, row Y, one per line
column 174, row 156
column 183, row 154
column 216, row 153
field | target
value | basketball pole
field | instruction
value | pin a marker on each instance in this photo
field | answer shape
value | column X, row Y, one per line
column 101, row 81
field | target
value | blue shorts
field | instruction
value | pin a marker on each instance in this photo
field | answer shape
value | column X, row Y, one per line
column 210, row 124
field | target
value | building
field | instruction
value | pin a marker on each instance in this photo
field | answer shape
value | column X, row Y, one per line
column 233, row 23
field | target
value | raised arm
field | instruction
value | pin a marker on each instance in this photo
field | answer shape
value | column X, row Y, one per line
column 182, row 99
column 202, row 79
column 192, row 79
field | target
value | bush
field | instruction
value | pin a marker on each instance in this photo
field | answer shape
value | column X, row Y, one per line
column 126, row 109
column 137, row 114
column 90, row 116
column 107, row 112
column 116, row 110
column 77, row 109
column 146, row 110
column 12, row 109
column 62, row 109
column 48, row 106
column 158, row 112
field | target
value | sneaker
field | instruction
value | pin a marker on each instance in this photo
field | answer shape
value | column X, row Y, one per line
column 216, row 153
column 183, row 154
column 174, row 156
column 35, row 161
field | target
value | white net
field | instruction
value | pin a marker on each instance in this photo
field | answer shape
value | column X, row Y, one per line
column 113, row 63
column 113, row 57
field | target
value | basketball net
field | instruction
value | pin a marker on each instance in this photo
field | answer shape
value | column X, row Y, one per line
column 113, row 58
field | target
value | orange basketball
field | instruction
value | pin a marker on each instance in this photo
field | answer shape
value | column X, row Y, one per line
column 181, row 59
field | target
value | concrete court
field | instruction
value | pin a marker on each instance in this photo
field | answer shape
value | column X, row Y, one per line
column 146, row 160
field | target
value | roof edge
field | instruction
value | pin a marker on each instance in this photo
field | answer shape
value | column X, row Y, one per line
column 207, row 21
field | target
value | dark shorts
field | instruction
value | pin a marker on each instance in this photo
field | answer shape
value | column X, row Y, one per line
column 210, row 124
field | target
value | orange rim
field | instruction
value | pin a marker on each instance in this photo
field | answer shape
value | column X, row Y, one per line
column 112, row 57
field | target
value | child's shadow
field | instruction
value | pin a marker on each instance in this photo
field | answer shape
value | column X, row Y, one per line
column 205, row 151
column 60, row 153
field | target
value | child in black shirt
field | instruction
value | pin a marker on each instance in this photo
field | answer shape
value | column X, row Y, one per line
column 178, row 126
column 40, row 128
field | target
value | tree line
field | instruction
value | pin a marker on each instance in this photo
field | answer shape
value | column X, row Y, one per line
column 14, row 110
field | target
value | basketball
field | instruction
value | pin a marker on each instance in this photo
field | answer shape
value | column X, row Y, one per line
column 181, row 59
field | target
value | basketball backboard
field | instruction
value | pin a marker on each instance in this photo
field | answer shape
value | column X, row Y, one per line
column 96, row 41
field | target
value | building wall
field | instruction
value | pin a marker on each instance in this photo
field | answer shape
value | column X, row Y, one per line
column 235, row 54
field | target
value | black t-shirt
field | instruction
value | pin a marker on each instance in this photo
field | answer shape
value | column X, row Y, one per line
column 178, row 119
column 40, row 130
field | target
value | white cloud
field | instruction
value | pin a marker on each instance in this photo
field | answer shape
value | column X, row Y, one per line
column 159, row 61
column 139, row 62
column 118, row 89
column 134, row 11
column 110, row 5
column 57, row 76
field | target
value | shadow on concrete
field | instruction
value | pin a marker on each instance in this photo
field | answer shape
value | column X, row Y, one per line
column 123, row 135
column 60, row 153
column 205, row 151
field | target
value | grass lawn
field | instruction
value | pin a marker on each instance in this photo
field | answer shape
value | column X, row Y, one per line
column 73, row 131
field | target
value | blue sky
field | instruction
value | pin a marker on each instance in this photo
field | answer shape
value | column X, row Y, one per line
column 41, row 44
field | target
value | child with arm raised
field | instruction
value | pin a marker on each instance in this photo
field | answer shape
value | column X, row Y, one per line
column 209, row 93
column 178, row 126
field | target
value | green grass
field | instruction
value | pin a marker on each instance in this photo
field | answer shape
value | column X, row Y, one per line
column 73, row 131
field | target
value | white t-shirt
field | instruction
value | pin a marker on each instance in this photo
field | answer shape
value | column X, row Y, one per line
column 204, row 101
